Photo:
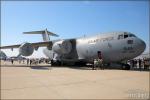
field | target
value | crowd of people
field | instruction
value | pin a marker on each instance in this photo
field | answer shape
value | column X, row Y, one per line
column 139, row 63
column 29, row 61
column 133, row 63
column 97, row 63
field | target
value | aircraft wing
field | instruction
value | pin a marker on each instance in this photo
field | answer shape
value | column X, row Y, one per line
column 37, row 44
column 10, row 46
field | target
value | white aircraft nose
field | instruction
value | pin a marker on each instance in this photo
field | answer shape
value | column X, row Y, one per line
column 138, row 48
column 141, row 46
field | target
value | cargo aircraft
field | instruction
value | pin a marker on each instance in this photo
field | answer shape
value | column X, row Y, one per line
column 114, row 47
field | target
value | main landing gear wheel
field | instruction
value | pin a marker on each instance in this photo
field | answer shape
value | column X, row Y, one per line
column 125, row 66
column 55, row 63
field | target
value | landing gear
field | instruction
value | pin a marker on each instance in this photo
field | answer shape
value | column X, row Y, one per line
column 81, row 63
column 55, row 63
column 125, row 66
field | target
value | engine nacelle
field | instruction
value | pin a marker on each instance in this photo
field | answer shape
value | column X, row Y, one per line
column 62, row 47
column 26, row 49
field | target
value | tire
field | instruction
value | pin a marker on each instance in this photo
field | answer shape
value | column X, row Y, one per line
column 125, row 66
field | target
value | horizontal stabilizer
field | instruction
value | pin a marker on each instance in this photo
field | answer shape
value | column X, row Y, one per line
column 45, row 34
column 41, row 32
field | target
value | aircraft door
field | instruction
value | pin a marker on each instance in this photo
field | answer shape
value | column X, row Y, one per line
column 99, row 54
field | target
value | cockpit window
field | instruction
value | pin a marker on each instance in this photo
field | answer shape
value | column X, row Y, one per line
column 120, row 36
column 125, row 36
column 131, row 35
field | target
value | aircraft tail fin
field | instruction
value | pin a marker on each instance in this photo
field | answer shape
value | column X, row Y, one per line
column 45, row 34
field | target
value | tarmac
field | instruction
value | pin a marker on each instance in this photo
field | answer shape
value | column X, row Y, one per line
column 19, row 81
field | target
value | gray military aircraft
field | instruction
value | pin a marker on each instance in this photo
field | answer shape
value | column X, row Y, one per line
column 114, row 47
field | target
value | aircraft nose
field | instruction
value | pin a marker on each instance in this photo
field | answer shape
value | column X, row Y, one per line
column 141, row 45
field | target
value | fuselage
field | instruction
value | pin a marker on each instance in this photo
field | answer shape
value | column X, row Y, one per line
column 114, row 46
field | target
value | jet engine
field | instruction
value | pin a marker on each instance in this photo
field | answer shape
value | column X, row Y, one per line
column 62, row 47
column 26, row 49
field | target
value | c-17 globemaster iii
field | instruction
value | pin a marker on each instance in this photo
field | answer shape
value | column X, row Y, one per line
column 114, row 47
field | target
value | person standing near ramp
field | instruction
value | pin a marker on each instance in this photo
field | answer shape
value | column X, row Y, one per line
column 95, row 64
column 100, row 60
